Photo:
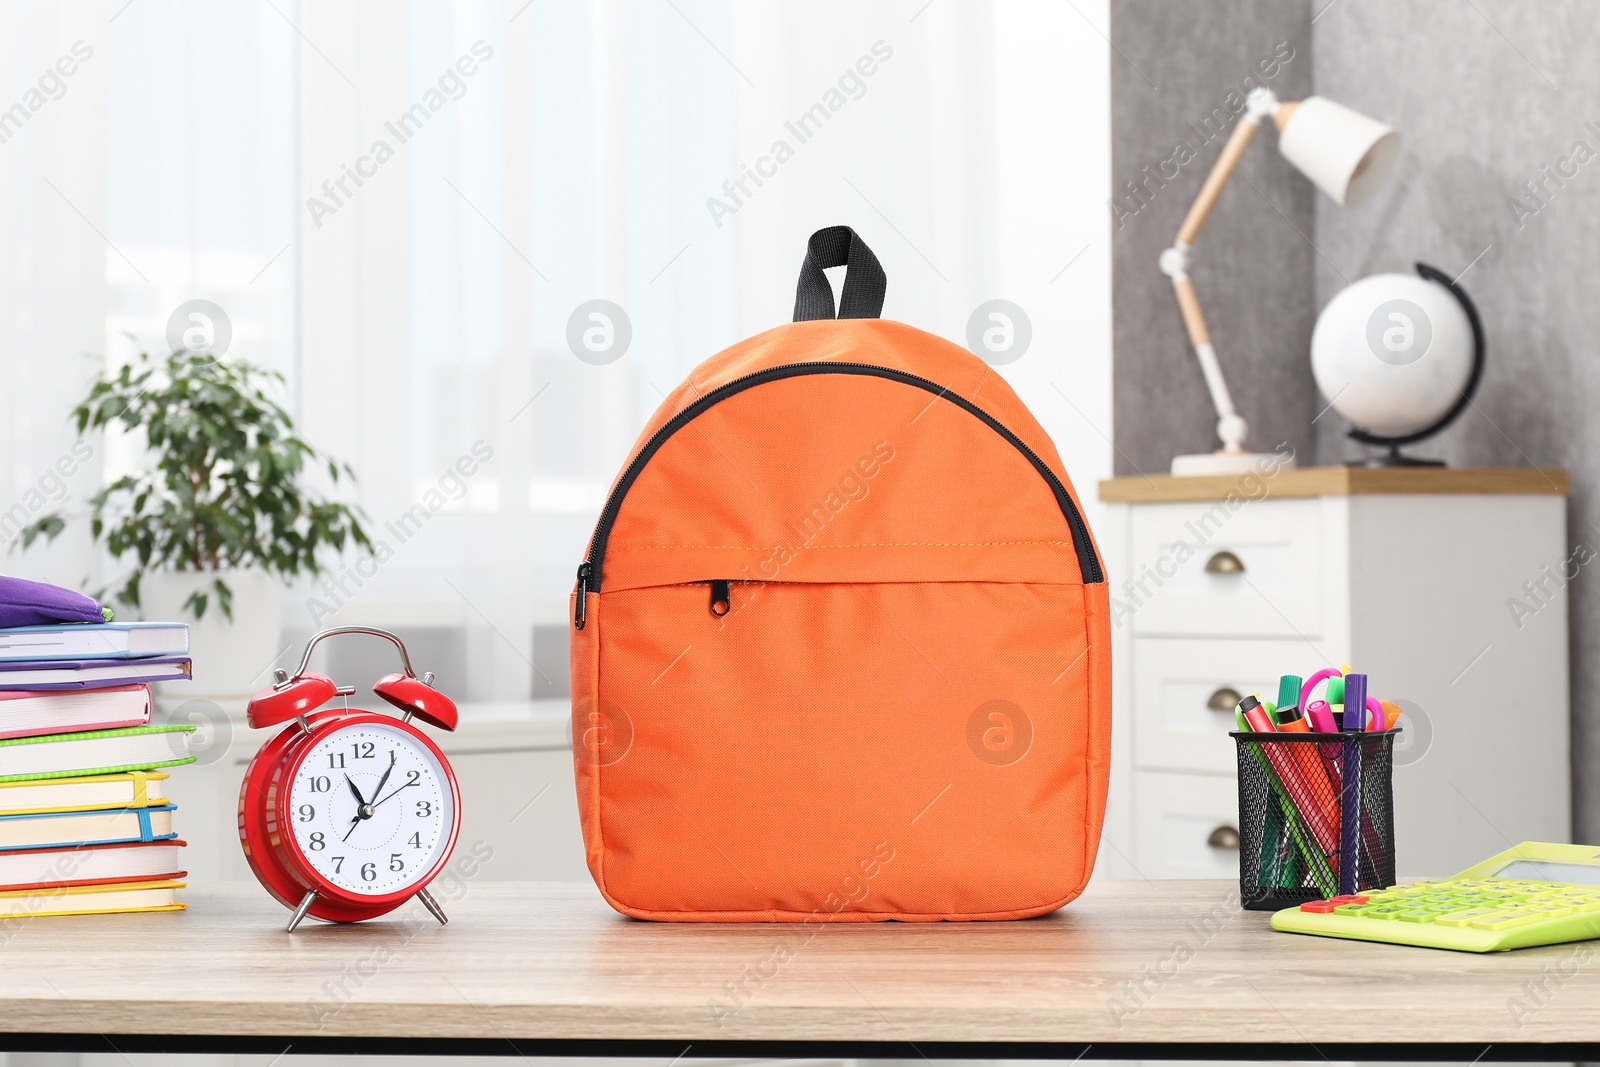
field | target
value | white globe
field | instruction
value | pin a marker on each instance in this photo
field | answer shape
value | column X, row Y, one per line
column 1392, row 353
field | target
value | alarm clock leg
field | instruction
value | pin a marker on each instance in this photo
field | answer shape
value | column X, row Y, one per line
column 300, row 912
column 432, row 906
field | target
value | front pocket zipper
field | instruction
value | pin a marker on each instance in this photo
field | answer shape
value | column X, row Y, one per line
column 590, row 570
column 721, row 597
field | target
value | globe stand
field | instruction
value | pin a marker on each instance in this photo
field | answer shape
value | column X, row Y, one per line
column 1394, row 458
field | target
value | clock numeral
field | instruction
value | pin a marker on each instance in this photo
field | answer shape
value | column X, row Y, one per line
column 321, row 783
column 338, row 862
column 395, row 863
column 317, row 843
column 306, row 812
column 413, row 777
column 335, row 761
column 369, row 871
column 416, row 839
column 362, row 750
column 424, row 808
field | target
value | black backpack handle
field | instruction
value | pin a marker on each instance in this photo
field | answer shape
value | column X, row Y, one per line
column 864, row 281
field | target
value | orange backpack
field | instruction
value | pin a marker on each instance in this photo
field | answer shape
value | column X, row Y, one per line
column 840, row 647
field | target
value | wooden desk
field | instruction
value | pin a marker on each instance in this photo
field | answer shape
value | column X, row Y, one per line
column 1133, row 969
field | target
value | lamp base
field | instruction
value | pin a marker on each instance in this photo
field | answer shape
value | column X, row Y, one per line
column 1201, row 464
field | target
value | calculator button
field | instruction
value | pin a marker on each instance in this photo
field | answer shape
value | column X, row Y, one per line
column 1384, row 911
column 1506, row 920
column 1418, row 915
column 1552, row 911
column 1463, row 918
column 1320, row 907
column 1350, row 909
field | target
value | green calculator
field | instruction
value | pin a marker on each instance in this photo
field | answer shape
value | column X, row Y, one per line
column 1533, row 894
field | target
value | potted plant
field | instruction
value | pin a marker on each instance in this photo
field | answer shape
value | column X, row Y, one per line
column 220, row 515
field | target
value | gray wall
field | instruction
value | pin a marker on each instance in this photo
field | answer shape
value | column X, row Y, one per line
column 1485, row 95
column 1253, row 268
column 1484, row 102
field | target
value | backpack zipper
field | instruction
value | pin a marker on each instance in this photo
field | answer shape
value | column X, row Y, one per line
column 590, row 570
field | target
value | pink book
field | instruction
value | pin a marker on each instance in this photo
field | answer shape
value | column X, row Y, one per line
column 33, row 714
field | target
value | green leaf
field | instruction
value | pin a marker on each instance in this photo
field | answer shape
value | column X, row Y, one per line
column 220, row 482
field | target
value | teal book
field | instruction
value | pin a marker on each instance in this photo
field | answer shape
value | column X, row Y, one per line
column 135, row 748
column 83, row 829
column 107, row 640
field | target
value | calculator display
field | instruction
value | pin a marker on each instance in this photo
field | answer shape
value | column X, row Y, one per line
column 1544, row 871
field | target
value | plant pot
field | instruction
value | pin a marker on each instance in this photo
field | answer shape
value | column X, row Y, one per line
column 231, row 659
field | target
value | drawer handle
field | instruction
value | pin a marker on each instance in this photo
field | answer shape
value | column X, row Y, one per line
column 1224, row 699
column 1224, row 562
column 1224, row 837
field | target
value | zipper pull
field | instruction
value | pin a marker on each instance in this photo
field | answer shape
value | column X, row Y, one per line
column 584, row 570
column 721, row 597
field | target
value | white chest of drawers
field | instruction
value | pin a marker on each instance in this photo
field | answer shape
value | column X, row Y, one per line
column 1219, row 585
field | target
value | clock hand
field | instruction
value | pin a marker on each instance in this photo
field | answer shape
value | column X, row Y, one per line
column 364, row 809
column 379, row 788
column 397, row 789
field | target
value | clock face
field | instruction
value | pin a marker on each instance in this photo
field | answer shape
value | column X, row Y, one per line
column 371, row 808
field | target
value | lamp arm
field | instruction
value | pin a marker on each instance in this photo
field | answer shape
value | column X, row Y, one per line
column 1175, row 264
column 1232, row 151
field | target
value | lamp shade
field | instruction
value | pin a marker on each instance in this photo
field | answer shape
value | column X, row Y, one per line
column 1345, row 153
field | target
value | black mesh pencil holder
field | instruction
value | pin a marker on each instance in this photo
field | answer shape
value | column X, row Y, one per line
column 1316, row 816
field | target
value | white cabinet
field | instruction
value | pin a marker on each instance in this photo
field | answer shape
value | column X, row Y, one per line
column 519, row 812
column 1220, row 585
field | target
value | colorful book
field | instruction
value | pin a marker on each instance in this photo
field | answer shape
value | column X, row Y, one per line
column 93, row 899
column 92, row 673
column 29, row 714
column 134, row 789
column 107, row 640
column 137, row 748
column 128, row 861
column 78, row 829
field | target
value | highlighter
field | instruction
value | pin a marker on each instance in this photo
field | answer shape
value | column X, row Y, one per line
column 1311, row 683
column 1354, row 716
column 1321, row 717
column 1288, row 693
column 1290, row 721
column 1391, row 713
column 1335, row 691
column 1257, row 716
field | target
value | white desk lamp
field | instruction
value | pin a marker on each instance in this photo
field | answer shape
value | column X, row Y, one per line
column 1345, row 154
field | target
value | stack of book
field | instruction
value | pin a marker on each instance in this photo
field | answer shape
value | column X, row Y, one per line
column 85, row 825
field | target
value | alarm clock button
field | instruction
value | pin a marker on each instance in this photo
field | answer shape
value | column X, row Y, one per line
column 420, row 699
column 305, row 694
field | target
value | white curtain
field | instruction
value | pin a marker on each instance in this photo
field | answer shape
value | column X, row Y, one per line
column 402, row 205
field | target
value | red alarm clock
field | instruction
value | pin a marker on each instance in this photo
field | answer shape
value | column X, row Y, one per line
column 347, row 814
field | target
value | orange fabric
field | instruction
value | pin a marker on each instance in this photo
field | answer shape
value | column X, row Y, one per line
column 904, row 712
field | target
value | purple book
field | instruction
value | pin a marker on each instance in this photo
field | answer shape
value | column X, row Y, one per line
column 92, row 673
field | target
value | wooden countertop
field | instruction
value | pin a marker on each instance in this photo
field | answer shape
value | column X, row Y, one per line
column 1132, row 968
column 1335, row 481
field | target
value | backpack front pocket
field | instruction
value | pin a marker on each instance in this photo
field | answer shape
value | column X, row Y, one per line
column 869, row 749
